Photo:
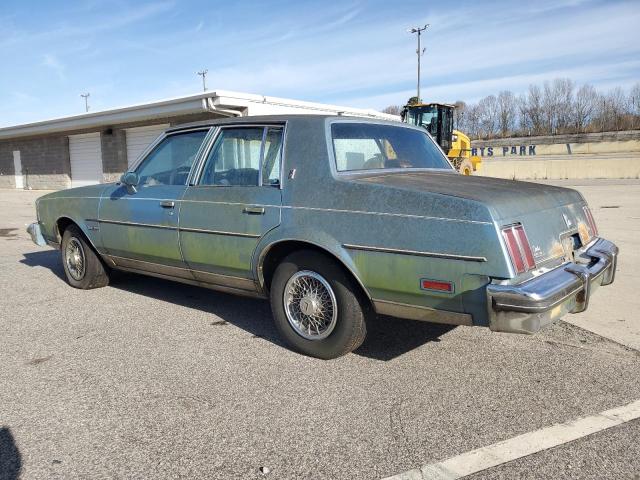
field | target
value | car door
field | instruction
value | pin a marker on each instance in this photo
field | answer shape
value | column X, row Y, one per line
column 139, row 226
column 235, row 200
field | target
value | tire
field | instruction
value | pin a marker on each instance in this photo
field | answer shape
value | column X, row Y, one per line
column 466, row 167
column 346, row 330
column 75, row 248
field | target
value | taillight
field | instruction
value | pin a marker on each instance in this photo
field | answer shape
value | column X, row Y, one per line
column 519, row 248
column 592, row 222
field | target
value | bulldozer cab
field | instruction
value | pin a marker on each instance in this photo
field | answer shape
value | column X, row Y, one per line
column 437, row 118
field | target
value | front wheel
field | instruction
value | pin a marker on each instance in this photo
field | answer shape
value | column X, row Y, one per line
column 81, row 264
column 317, row 308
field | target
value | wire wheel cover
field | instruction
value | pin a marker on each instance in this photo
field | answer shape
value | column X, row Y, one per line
column 75, row 259
column 310, row 305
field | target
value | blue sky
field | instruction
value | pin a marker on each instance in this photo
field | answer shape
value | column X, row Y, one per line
column 355, row 53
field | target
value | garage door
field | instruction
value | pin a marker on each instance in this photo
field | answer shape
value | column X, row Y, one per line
column 86, row 159
column 140, row 138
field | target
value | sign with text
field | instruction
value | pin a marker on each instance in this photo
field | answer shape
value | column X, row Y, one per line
column 519, row 150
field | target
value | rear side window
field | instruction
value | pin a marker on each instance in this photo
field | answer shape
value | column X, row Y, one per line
column 370, row 146
column 242, row 155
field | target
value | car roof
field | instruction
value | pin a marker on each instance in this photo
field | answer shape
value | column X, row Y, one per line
column 273, row 119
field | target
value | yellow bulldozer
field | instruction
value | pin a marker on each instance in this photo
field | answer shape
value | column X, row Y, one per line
column 437, row 119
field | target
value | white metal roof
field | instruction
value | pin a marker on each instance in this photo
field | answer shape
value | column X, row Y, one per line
column 222, row 101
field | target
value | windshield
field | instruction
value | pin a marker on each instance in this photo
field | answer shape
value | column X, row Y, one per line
column 370, row 146
column 426, row 117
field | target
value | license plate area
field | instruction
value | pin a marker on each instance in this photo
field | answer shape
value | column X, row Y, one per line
column 570, row 243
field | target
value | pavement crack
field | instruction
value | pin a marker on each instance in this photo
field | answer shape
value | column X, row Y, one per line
column 398, row 429
column 38, row 361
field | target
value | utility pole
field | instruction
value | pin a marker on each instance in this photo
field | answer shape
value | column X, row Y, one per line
column 86, row 100
column 420, row 52
column 203, row 74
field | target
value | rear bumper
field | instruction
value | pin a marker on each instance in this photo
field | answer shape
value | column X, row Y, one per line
column 529, row 306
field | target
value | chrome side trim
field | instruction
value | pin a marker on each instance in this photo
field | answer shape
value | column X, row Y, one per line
column 218, row 232
column 211, row 286
column 225, row 280
column 131, row 224
column 416, row 253
column 387, row 214
column 167, row 227
column 167, row 270
column 337, row 210
column 184, row 273
column 424, row 314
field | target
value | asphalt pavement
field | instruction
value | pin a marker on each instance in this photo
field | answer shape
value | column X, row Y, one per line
column 147, row 378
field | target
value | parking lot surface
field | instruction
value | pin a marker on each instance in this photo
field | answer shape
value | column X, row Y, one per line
column 148, row 378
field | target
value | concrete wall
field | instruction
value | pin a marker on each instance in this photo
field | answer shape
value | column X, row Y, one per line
column 593, row 155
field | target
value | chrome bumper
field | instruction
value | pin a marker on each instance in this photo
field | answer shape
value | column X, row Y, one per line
column 529, row 306
column 36, row 234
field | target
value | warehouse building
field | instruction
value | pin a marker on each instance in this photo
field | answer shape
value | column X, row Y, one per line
column 99, row 146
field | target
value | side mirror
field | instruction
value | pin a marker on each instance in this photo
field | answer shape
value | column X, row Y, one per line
column 130, row 180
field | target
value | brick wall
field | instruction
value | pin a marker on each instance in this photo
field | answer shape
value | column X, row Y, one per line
column 114, row 153
column 45, row 158
column 45, row 162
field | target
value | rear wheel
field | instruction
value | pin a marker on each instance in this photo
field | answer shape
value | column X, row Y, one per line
column 82, row 266
column 317, row 308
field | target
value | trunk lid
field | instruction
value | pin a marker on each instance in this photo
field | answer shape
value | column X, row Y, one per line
column 548, row 213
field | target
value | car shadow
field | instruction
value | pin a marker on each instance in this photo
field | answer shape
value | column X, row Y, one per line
column 10, row 458
column 45, row 258
column 387, row 337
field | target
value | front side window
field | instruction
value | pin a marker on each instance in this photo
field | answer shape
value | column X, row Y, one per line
column 170, row 162
column 240, row 154
column 370, row 146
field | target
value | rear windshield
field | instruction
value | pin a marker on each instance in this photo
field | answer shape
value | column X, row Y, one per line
column 370, row 146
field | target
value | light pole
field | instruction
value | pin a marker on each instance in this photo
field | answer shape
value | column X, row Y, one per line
column 86, row 100
column 420, row 52
column 203, row 74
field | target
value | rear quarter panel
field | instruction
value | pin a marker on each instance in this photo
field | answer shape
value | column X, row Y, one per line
column 337, row 213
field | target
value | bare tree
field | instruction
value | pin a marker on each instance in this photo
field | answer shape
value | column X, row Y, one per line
column 506, row 105
column 472, row 121
column 616, row 108
column 392, row 110
column 563, row 94
column 556, row 106
column 634, row 100
column 459, row 115
column 524, row 118
column 535, row 109
column 488, row 112
column 584, row 107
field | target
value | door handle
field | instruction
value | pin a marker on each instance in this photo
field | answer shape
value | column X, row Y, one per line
column 167, row 204
column 253, row 210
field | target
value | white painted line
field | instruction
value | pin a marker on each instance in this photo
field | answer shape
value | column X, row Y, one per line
column 522, row 445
